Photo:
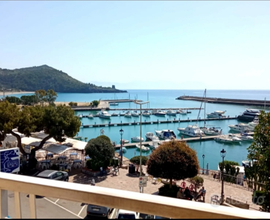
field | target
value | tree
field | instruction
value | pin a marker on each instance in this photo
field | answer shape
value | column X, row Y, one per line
column 56, row 122
column 9, row 119
column 173, row 160
column 101, row 151
column 95, row 103
column 51, row 96
column 136, row 160
column 41, row 96
column 197, row 181
column 259, row 153
column 13, row 99
column 231, row 171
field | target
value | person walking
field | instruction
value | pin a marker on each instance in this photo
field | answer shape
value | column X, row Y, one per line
column 188, row 194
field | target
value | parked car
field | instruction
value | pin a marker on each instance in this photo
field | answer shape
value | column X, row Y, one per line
column 98, row 211
column 54, row 174
column 126, row 214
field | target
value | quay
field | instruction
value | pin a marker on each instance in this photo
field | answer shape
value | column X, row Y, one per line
column 154, row 122
column 226, row 101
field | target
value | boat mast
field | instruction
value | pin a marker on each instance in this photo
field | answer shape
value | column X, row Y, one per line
column 204, row 106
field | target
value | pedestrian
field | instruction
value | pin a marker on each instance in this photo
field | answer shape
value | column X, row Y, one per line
column 188, row 194
column 214, row 176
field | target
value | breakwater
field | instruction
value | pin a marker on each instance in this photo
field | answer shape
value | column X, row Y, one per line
column 226, row 101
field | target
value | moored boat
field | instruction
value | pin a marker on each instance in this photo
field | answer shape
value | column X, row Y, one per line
column 216, row 114
column 144, row 148
column 137, row 139
column 165, row 134
column 150, row 136
column 191, row 130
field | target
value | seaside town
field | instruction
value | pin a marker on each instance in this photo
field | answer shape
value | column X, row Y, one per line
column 134, row 110
column 72, row 160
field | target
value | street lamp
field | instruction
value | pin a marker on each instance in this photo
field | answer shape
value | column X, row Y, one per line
column 121, row 151
column 222, row 154
column 203, row 163
column 140, row 103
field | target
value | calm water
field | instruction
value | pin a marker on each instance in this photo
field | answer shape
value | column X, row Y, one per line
column 166, row 99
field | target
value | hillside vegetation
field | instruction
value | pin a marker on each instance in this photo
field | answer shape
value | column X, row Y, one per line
column 46, row 77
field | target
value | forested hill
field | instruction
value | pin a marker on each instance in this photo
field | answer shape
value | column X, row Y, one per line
column 46, row 77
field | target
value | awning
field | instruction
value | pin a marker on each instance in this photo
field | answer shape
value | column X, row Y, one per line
column 56, row 148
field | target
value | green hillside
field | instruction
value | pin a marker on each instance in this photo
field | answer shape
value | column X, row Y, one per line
column 46, row 77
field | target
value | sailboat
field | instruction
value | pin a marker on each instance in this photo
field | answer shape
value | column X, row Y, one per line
column 209, row 130
column 146, row 113
column 192, row 130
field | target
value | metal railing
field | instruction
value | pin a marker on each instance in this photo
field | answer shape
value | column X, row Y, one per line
column 139, row 202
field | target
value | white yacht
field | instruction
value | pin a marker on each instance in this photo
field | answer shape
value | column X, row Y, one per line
column 146, row 113
column 211, row 130
column 234, row 137
column 150, row 136
column 191, row 130
column 127, row 114
column 224, row 139
column 137, row 139
column 229, row 139
column 144, row 148
column 165, row 134
column 171, row 112
column 241, row 127
column 182, row 111
column 216, row 114
column 104, row 114
column 90, row 116
column 159, row 113
column 249, row 115
column 135, row 114
column 245, row 137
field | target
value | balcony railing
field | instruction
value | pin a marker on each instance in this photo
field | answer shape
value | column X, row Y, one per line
column 139, row 202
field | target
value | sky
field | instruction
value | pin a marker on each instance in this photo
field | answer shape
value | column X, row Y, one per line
column 142, row 44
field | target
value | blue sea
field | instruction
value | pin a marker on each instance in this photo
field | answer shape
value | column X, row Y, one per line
column 166, row 99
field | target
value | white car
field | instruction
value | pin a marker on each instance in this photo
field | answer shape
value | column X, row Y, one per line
column 126, row 214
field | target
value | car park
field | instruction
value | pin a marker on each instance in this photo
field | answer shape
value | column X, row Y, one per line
column 98, row 211
column 54, row 174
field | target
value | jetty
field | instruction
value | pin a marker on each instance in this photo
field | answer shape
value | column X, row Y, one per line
column 226, row 101
column 154, row 122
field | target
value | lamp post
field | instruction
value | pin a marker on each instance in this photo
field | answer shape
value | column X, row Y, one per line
column 140, row 103
column 203, row 163
column 222, row 154
column 121, row 151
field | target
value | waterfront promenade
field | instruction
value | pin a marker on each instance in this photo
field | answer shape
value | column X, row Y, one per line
column 130, row 182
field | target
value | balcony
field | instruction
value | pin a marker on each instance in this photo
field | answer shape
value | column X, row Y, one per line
column 74, row 193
